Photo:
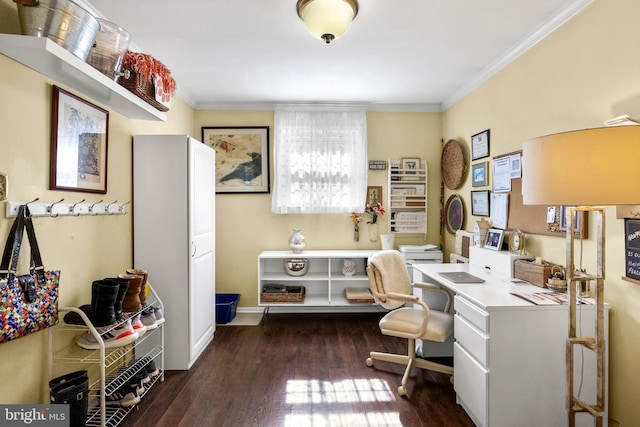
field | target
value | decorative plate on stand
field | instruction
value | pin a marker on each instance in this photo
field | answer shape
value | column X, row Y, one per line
column 453, row 164
column 454, row 214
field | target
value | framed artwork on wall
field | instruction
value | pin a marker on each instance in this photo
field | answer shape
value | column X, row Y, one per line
column 479, row 174
column 374, row 195
column 480, row 145
column 480, row 203
column 242, row 157
column 79, row 141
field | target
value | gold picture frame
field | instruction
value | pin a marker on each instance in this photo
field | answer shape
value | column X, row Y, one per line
column 374, row 195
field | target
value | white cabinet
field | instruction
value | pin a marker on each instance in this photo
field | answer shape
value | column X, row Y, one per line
column 324, row 281
column 174, row 224
column 407, row 197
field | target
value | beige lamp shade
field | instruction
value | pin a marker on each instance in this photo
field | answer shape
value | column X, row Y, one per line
column 327, row 19
column 588, row 167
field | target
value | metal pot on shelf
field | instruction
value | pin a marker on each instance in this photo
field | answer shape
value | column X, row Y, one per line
column 296, row 266
column 63, row 21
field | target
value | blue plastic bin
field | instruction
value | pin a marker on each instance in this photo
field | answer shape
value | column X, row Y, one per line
column 226, row 306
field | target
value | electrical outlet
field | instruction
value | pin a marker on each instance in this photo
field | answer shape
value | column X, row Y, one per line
column 4, row 186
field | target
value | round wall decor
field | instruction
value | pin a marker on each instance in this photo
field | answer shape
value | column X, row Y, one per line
column 453, row 164
column 454, row 214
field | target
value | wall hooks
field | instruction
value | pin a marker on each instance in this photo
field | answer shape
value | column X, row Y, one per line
column 56, row 209
column 50, row 208
column 72, row 208
column 91, row 207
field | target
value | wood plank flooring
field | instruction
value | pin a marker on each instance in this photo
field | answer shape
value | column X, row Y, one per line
column 299, row 370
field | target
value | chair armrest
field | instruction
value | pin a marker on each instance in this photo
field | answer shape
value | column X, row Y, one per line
column 435, row 288
column 403, row 297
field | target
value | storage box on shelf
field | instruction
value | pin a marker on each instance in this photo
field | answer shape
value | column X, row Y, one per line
column 323, row 285
column 407, row 195
column 108, row 368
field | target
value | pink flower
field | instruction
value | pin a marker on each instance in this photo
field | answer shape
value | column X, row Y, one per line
column 374, row 211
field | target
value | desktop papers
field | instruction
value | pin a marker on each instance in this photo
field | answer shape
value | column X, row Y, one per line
column 550, row 298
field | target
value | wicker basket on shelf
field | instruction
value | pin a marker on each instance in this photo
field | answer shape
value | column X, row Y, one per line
column 141, row 87
column 290, row 294
column 148, row 78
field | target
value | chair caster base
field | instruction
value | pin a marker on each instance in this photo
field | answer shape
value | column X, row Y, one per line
column 369, row 362
column 402, row 391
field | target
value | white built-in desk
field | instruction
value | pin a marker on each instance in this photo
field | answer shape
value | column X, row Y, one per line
column 509, row 354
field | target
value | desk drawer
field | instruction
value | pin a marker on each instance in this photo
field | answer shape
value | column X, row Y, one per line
column 472, row 339
column 471, row 383
column 475, row 315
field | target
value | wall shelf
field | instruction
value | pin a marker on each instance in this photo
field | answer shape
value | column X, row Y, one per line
column 48, row 58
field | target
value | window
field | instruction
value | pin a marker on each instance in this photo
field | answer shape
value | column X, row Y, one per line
column 320, row 160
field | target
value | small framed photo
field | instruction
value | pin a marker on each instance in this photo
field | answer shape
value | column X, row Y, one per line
column 494, row 239
column 480, row 203
column 410, row 168
column 480, row 145
column 374, row 196
column 79, row 140
column 242, row 157
column 479, row 174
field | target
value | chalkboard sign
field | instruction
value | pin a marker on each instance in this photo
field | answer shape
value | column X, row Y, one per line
column 632, row 247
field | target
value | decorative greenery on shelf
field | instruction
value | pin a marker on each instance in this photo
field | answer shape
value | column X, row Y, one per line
column 149, row 67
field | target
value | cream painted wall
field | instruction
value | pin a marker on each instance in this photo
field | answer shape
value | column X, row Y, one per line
column 579, row 76
column 84, row 248
column 245, row 225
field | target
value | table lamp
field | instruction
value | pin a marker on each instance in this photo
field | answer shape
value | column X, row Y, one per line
column 583, row 169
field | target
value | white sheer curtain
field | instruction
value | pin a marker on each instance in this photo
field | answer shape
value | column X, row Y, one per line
column 320, row 160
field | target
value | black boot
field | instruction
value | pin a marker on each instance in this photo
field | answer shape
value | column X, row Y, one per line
column 123, row 285
column 101, row 311
column 72, row 389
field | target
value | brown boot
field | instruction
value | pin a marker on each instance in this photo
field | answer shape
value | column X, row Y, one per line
column 143, row 288
column 131, row 301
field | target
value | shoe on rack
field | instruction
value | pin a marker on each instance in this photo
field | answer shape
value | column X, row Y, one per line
column 157, row 312
column 139, row 380
column 118, row 336
column 151, row 370
column 124, row 397
column 138, row 326
column 148, row 318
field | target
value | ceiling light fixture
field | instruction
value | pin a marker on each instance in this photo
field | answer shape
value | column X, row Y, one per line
column 327, row 19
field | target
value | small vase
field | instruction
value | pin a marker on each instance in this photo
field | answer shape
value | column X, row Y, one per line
column 297, row 241
column 387, row 241
column 349, row 267
column 373, row 232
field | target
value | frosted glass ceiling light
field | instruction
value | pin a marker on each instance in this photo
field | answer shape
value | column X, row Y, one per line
column 327, row 19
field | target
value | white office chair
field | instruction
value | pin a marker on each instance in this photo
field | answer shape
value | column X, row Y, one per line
column 392, row 288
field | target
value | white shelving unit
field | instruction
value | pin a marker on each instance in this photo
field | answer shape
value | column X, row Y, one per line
column 324, row 282
column 54, row 61
column 407, row 198
column 106, row 367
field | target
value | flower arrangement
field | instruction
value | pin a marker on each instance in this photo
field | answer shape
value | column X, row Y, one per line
column 374, row 211
column 151, row 70
column 356, row 217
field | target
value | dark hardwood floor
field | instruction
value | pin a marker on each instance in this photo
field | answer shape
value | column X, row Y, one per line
column 299, row 370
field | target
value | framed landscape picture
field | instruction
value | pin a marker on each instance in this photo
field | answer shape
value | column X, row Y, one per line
column 242, row 157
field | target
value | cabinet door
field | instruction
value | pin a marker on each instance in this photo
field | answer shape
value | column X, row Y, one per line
column 202, row 250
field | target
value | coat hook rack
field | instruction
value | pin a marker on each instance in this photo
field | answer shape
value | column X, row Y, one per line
column 56, row 209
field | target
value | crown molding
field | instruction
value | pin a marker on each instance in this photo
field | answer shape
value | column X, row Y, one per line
column 527, row 43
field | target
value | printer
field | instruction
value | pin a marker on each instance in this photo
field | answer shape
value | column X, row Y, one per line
column 425, row 254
